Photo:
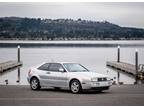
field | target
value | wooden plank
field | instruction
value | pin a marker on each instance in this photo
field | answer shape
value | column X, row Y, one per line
column 126, row 67
column 9, row 65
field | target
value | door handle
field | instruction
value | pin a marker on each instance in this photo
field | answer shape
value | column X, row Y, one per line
column 48, row 73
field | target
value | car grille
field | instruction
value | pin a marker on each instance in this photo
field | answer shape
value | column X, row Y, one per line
column 102, row 79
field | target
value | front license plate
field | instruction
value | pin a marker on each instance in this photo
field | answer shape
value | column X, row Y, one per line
column 101, row 83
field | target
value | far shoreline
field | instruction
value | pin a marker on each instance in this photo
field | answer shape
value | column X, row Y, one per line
column 72, row 43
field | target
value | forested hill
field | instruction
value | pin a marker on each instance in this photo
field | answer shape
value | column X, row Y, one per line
column 64, row 29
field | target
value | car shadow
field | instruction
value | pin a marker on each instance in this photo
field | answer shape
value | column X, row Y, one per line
column 55, row 90
column 95, row 92
column 68, row 91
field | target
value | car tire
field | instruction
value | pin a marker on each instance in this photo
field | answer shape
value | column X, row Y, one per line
column 57, row 88
column 75, row 87
column 34, row 84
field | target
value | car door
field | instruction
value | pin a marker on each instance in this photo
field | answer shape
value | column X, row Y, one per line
column 44, row 74
column 56, row 77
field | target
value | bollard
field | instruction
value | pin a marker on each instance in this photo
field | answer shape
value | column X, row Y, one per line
column 136, row 66
column 118, row 54
column 18, row 53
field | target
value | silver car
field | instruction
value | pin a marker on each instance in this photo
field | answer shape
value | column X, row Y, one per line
column 71, row 76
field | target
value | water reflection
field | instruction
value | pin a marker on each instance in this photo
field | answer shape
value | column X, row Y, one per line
column 5, row 79
column 18, row 78
column 120, row 77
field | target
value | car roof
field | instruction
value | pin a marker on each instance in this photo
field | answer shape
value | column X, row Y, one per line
column 37, row 66
column 58, row 62
column 49, row 62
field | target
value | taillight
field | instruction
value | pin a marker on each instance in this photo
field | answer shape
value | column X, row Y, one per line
column 29, row 72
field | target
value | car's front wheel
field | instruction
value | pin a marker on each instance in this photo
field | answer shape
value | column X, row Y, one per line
column 75, row 86
column 34, row 83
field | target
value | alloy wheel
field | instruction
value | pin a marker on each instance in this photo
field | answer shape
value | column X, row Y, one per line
column 75, row 86
column 34, row 84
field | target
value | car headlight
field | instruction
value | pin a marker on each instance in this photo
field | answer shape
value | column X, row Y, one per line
column 109, row 79
column 94, row 79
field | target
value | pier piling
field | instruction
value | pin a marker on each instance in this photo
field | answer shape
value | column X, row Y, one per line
column 118, row 54
column 136, row 65
column 18, row 55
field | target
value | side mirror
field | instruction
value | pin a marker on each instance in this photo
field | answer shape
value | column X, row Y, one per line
column 61, row 70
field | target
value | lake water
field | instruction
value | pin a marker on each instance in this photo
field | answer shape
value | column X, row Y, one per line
column 94, row 58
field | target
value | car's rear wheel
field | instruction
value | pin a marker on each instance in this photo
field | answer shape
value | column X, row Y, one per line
column 34, row 83
column 75, row 86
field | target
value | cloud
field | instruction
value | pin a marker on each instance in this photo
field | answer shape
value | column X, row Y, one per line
column 124, row 14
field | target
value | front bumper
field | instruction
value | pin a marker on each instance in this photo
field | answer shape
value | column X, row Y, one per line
column 103, row 85
column 100, row 88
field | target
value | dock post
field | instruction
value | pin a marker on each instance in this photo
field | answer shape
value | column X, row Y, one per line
column 118, row 54
column 18, row 56
column 18, row 53
column 136, row 65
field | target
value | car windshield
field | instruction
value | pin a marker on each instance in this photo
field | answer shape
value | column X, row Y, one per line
column 74, row 67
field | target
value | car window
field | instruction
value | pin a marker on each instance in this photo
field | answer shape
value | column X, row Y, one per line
column 74, row 67
column 44, row 66
column 55, row 67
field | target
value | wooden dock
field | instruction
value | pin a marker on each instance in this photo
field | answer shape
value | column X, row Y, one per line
column 137, row 70
column 129, row 68
column 5, row 66
column 126, row 67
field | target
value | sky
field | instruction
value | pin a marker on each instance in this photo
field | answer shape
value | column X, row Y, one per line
column 125, row 14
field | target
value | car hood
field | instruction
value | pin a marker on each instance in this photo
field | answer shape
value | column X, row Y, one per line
column 87, row 74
